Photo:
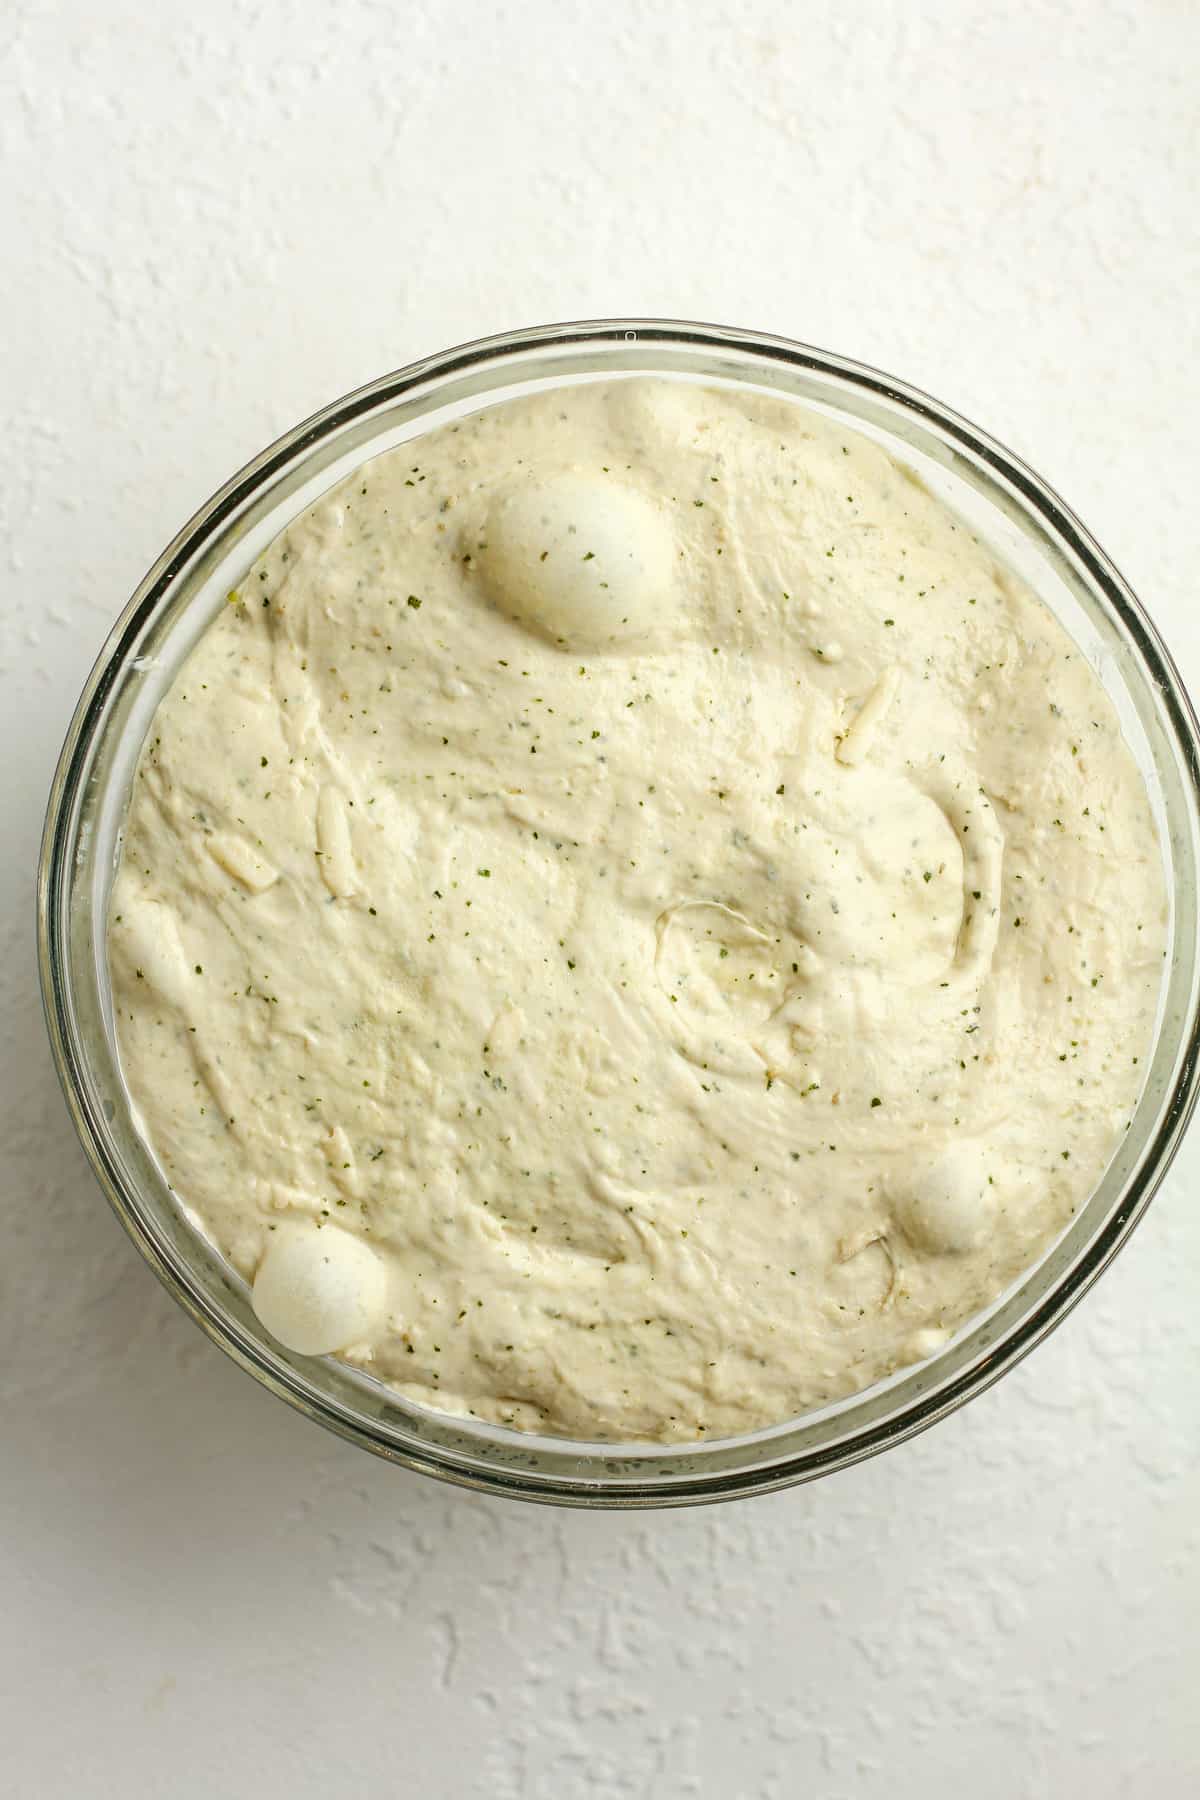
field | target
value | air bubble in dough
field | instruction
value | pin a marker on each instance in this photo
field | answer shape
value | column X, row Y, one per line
column 580, row 559
column 319, row 1289
column 923, row 1343
column 945, row 1204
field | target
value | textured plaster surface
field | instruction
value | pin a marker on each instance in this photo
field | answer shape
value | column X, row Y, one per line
column 217, row 216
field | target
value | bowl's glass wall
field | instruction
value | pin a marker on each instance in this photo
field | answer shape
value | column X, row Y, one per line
column 1030, row 530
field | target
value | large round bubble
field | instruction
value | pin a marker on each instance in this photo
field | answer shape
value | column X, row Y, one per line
column 581, row 559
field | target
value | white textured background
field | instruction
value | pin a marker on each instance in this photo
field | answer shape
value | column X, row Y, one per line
column 216, row 216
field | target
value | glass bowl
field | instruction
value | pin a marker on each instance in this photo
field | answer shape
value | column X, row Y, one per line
column 1030, row 529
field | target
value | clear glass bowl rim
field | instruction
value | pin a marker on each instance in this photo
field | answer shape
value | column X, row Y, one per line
column 599, row 1475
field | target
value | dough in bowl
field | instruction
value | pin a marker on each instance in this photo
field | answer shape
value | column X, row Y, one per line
column 631, row 924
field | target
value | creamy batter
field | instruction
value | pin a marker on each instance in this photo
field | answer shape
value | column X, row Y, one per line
column 631, row 924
